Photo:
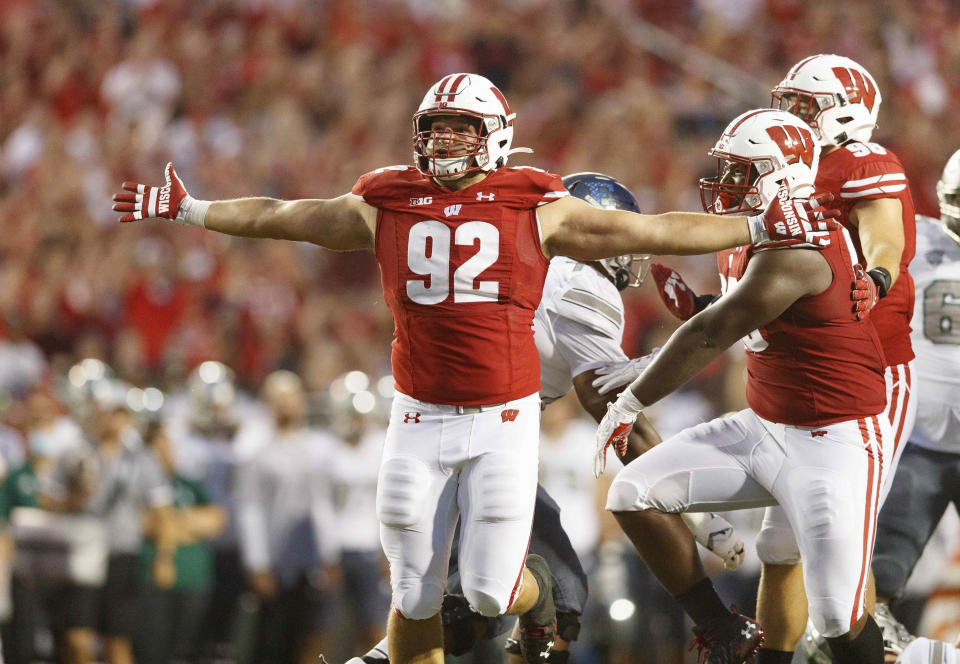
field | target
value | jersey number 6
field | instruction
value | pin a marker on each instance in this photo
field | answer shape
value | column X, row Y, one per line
column 428, row 254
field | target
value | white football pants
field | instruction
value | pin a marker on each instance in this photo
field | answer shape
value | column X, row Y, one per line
column 827, row 480
column 438, row 465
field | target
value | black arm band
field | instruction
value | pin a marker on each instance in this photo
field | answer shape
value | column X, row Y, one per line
column 701, row 302
column 882, row 279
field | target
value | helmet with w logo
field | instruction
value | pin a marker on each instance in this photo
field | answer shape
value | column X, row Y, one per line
column 757, row 152
column 836, row 96
column 446, row 152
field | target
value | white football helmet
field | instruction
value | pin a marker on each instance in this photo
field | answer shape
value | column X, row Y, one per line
column 757, row 152
column 836, row 96
column 475, row 97
column 948, row 192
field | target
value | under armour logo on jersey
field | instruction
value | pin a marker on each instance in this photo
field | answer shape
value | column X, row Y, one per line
column 509, row 415
column 425, row 200
column 484, row 197
column 411, row 417
column 452, row 210
column 818, row 434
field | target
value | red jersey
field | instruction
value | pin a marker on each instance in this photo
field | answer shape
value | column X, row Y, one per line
column 816, row 364
column 462, row 273
column 860, row 171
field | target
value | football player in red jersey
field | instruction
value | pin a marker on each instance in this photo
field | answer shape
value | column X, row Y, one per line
column 840, row 101
column 463, row 243
column 812, row 437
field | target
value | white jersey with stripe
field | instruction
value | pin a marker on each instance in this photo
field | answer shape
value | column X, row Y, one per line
column 578, row 325
column 928, row 651
column 936, row 337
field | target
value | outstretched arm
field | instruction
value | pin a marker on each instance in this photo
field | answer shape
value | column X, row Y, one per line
column 572, row 227
column 343, row 223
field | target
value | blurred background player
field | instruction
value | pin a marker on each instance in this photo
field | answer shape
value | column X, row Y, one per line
column 811, row 438
column 113, row 478
column 176, row 564
column 927, row 478
column 287, row 531
column 578, row 329
column 203, row 423
column 356, row 418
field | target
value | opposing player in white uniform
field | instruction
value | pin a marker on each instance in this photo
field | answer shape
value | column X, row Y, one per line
column 578, row 329
column 928, row 477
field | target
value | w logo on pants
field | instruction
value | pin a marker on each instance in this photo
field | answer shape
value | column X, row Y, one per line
column 509, row 415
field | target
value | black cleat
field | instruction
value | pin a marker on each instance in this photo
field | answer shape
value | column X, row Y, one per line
column 734, row 640
column 538, row 626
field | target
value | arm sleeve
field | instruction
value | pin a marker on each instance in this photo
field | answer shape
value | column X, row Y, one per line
column 584, row 347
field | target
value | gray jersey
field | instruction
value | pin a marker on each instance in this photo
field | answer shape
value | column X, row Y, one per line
column 126, row 484
column 577, row 327
column 283, row 517
column 936, row 337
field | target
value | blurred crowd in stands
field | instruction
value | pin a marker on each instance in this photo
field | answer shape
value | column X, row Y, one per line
column 298, row 98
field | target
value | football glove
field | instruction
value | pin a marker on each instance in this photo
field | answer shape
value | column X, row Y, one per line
column 617, row 374
column 718, row 535
column 615, row 428
column 170, row 201
column 863, row 292
column 676, row 295
column 795, row 220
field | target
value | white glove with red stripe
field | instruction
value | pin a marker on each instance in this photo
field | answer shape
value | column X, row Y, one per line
column 171, row 201
column 615, row 428
column 718, row 535
column 788, row 220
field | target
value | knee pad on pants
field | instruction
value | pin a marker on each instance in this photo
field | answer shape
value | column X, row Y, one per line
column 418, row 600
column 402, row 491
column 776, row 545
column 634, row 494
column 486, row 596
column 505, row 494
column 830, row 616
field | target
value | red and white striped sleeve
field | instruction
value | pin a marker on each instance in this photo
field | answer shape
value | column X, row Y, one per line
column 875, row 179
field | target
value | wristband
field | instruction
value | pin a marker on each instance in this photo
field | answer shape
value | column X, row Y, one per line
column 193, row 212
column 758, row 232
column 881, row 277
column 628, row 402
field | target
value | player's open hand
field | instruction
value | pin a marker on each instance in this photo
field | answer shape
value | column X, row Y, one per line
column 144, row 201
column 617, row 374
column 795, row 220
column 863, row 292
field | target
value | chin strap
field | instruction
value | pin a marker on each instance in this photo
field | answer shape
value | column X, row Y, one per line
column 515, row 150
